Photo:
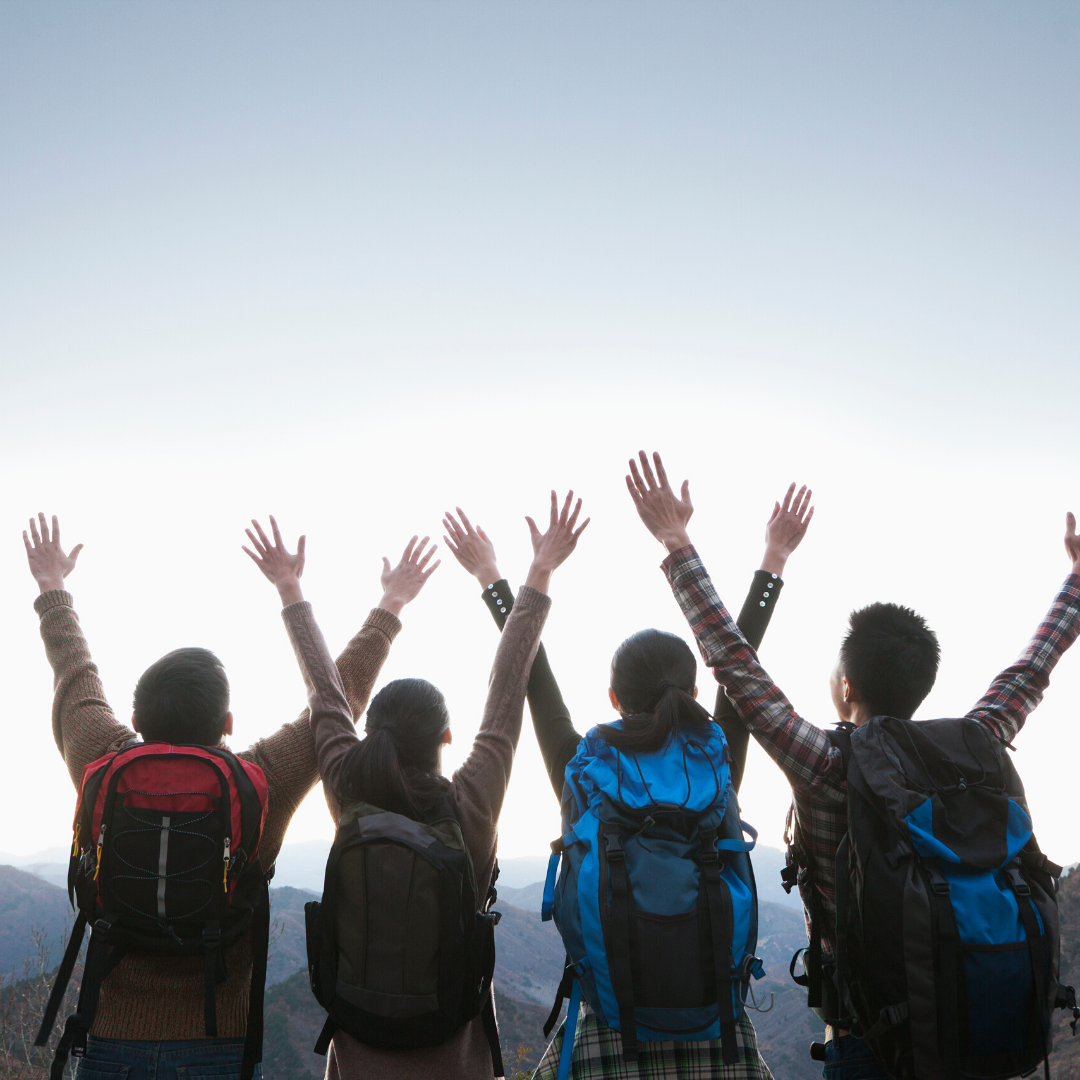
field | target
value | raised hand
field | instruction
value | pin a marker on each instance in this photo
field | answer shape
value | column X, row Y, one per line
column 281, row 568
column 664, row 513
column 1072, row 543
column 404, row 582
column 786, row 528
column 552, row 548
column 48, row 563
column 471, row 547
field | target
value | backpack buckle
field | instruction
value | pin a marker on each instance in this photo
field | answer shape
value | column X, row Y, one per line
column 938, row 882
column 1017, row 882
column 211, row 937
column 613, row 847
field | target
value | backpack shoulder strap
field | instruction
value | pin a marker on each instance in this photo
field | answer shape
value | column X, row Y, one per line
column 840, row 737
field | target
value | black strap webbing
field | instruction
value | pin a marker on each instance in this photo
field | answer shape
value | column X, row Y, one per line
column 79, row 1023
column 1035, row 941
column 211, row 951
column 565, row 986
column 63, row 977
column 842, row 906
column 622, row 979
column 322, row 1043
column 260, row 946
column 721, row 921
column 491, row 1030
column 948, row 981
column 813, row 953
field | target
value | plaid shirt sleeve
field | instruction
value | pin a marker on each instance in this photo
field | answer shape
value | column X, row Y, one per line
column 811, row 763
column 1020, row 687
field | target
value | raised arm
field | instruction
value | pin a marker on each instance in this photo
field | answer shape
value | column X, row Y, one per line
column 801, row 750
column 555, row 733
column 288, row 756
column 84, row 726
column 784, row 532
column 1020, row 687
column 485, row 774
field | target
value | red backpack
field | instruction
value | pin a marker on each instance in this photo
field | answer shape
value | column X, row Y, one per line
column 165, row 861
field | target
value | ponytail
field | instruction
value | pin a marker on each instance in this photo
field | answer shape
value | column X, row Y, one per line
column 395, row 767
column 653, row 675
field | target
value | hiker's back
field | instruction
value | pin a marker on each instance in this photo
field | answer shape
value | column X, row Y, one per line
column 947, row 945
column 656, row 901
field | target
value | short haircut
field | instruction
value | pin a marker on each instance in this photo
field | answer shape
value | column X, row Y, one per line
column 890, row 657
column 183, row 698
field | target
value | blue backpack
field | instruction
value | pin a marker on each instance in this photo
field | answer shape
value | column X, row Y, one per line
column 656, row 901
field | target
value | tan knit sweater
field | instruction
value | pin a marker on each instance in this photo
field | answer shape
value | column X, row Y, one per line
column 147, row 998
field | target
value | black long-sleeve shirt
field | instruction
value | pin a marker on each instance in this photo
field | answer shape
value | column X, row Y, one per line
column 555, row 733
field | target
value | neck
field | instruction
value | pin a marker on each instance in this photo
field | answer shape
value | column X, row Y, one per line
column 860, row 714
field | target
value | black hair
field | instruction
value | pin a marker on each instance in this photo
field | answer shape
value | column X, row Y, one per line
column 890, row 657
column 653, row 675
column 395, row 766
column 183, row 698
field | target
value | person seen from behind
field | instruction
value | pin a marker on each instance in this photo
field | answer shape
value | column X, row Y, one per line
column 887, row 665
column 390, row 784
column 151, row 1018
column 653, row 688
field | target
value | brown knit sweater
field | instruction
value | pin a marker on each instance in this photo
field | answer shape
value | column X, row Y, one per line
column 147, row 998
column 477, row 789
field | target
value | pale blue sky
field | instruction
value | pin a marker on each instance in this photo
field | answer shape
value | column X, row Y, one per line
column 357, row 262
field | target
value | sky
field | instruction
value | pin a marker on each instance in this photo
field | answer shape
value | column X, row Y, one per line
column 356, row 264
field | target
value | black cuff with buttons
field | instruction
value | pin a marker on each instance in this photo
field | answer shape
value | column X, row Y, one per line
column 500, row 600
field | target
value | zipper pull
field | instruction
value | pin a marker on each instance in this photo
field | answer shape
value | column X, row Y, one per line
column 225, row 873
column 75, row 843
column 100, row 841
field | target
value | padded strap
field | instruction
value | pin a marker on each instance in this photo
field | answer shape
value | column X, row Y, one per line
column 622, row 978
column 570, row 1032
column 721, row 920
column 322, row 1043
column 260, row 947
column 491, row 1030
column 63, row 977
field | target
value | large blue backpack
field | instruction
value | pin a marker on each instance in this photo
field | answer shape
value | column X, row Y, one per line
column 656, row 901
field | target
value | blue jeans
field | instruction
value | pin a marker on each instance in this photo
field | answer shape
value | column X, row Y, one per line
column 848, row 1058
column 189, row 1059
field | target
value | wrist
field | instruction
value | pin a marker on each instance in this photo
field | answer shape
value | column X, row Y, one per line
column 56, row 584
column 487, row 575
column 774, row 561
column 392, row 603
column 674, row 541
column 538, row 578
column 290, row 592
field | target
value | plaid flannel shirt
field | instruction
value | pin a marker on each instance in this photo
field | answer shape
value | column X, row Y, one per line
column 597, row 1055
column 809, row 761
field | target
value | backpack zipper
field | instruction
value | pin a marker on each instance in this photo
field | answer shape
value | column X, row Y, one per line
column 225, row 874
column 100, row 841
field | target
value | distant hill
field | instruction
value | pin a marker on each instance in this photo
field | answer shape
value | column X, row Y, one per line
column 26, row 903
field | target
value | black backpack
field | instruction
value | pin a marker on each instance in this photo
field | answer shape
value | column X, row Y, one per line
column 165, row 861
column 400, row 954
column 947, row 924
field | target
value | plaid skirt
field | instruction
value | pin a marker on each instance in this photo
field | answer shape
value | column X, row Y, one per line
column 598, row 1053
